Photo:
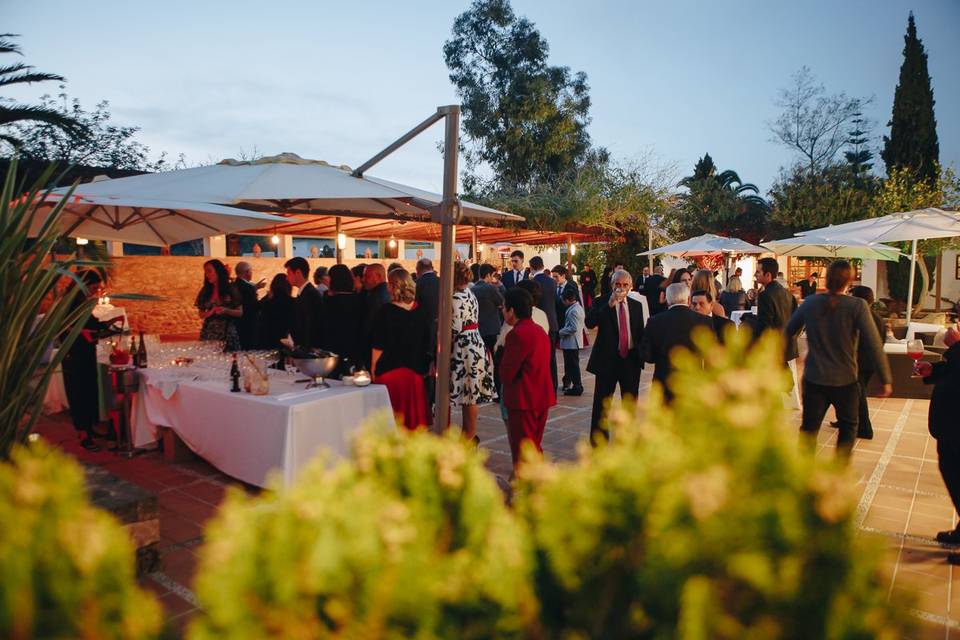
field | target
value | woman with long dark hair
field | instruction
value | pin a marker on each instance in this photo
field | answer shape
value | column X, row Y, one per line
column 836, row 324
column 276, row 313
column 219, row 305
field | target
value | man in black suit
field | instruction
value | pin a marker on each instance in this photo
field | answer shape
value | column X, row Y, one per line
column 702, row 302
column 547, row 304
column 516, row 272
column 376, row 294
column 808, row 287
column 559, row 274
column 428, row 299
column 249, row 324
column 306, row 308
column 651, row 290
column 671, row 329
column 616, row 358
column 775, row 305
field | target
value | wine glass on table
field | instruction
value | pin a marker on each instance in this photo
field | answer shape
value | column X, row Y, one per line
column 915, row 351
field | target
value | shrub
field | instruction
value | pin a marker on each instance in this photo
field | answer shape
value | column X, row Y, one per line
column 705, row 520
column 67, row 567
column 408, row 539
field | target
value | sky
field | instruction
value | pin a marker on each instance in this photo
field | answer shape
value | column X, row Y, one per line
column 339, row 81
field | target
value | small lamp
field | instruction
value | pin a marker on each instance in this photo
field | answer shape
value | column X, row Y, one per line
column 82, row 241
column 341, row 241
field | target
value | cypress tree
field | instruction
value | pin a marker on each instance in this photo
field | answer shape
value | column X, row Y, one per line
column 913, row 140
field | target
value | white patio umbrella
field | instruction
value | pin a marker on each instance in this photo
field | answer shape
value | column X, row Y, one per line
column 287, row 184
column 814, row 246
column 708, row 245
column 705, row 245
column 904, row 226
column 148, row 221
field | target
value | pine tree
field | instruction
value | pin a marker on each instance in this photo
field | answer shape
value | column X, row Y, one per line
column 859, row 156
column 913, row 140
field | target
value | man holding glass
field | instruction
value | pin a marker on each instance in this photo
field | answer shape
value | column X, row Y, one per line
column 615, row 358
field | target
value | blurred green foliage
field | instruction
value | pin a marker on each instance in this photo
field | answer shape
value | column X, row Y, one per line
column 410, row 539
column 705, row 521
column 67, row 567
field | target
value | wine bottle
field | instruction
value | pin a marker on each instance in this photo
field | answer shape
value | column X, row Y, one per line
column 134, row 351
column 142, row 353
column 235, row 375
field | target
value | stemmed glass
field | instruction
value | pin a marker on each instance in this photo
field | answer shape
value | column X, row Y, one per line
column 915, row 351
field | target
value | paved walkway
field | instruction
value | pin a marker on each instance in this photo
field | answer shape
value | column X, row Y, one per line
column 902, row 498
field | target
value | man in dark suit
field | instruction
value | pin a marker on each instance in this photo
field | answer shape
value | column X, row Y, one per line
column 428, row 298
column 702, row 302
column 306, row 308
column 616, row 358
column 775, row 305
column 516, row 272
column 376, row 294
column 651, row 290
column 943, row 424
column 548, row 305
column 671, row 329
column 563, row 284
column 249, row 324
column 808, row 287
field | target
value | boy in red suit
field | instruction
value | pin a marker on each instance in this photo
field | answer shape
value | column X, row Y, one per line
column 528, row 390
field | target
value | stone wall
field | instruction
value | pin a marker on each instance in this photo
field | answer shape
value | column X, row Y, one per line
column 177, row 280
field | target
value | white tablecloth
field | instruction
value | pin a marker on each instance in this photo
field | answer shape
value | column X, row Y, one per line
column 737, row 316
column 248, row 436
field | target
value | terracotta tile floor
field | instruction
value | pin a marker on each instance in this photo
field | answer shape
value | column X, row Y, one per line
column 902, row 498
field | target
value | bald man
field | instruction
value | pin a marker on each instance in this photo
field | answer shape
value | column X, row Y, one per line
column 249, row 324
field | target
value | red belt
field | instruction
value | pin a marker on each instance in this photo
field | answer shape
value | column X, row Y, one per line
column 470, row 327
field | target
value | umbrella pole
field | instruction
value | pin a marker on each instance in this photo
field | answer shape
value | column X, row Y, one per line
column 913, row 267
column 449, row 213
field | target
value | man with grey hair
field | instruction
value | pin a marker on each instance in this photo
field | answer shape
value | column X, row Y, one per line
column 616, row 358
column 671, row 329
column 248, row 324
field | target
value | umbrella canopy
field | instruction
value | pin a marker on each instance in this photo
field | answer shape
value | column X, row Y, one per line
column 288, row 184
column 815, row 246
column 147, row 221
column 920, row 224
column 707, row 244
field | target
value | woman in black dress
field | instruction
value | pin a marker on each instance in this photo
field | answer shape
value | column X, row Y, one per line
column 219, row 305
column 400, row 345
column 588, row 283
column 276, row 313
column 80, row 367
column 342, row 320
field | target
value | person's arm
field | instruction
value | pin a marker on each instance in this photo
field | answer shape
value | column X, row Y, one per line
column 595, row 315
column 233, row 312
column 874, row 345
column 795, row 324
column 766, row 311
column 515, row 353
column 647, row 350
column 374, row 358
column 569, row 327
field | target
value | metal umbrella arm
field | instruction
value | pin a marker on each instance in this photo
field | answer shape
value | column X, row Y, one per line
column 447, row 214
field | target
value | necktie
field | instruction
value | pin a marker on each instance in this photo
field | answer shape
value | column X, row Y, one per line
column 624, row 335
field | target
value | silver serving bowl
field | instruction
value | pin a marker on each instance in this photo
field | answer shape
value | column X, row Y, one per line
column 318, row 368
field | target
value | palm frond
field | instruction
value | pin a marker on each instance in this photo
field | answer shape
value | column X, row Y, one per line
column 27, row 77
column 7, row 45
column 21, row 113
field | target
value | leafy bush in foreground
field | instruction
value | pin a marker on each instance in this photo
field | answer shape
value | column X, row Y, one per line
column 705, row 520
column 67, row 568
column 410, row 539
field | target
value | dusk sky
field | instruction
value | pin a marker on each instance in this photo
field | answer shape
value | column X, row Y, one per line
column 338, row 81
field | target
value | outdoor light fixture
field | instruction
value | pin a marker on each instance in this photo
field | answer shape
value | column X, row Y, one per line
column 393, row 243
column 341, row 241
column 82, row 241
column 573, row 249
column 275, row 239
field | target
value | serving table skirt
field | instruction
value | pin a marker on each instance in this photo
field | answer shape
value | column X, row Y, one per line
column 251, row 437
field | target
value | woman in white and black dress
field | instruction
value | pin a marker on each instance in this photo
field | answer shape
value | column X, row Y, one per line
column 471, row 372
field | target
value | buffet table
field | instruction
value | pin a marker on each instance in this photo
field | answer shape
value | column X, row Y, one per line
column 246, row 436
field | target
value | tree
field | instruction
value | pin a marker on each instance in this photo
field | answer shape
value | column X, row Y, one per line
column 913, row 140
column 858, row 154
column 813, row 123
column 106, row 145
column 523, row 118
column 720, row 202
column 834, row 194
column 11, row 112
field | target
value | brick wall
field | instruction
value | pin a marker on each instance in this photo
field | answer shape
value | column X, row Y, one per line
column 178, row 279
